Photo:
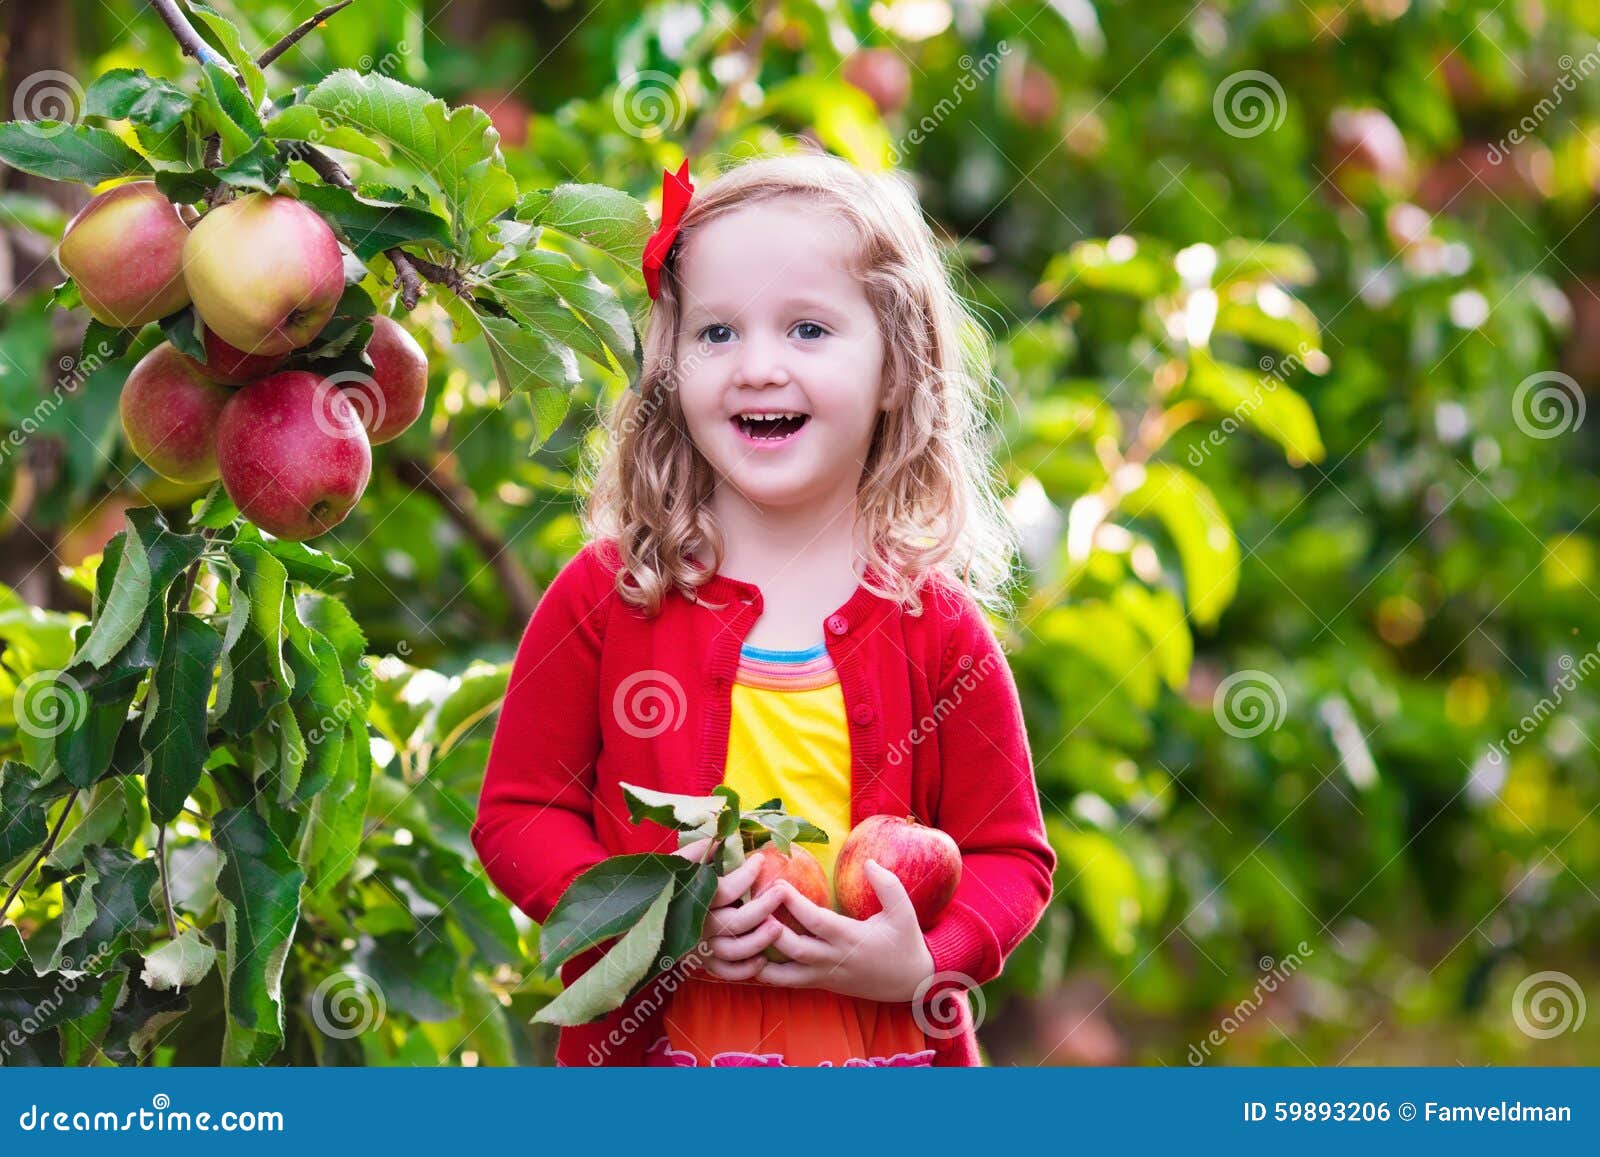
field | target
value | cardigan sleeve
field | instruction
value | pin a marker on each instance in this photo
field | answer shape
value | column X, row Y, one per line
column 535, row 830
column 989, row 803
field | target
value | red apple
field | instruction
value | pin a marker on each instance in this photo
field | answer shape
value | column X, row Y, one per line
column 228, row 366
column 293, row 454
column 926, row 860
column 391, row 398
column 883, row 74
column 125, row 251
column 1364, row 150
column 801, row 869
column 265, row 273
column 170, row 413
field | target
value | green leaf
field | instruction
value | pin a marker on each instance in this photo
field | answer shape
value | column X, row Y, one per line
column 1138, row 268
column 538, row 306
column 1205, row 540
column 228, row 112
column 1159, row 614
column 86, row 747
column 106, row 907
column 186, row 188
column 686, row 918
column 33, row 214
column 174, row 732
column 178, row 964
column 1239, row 259
column 608, row 981
column 233, row 47
column 61, row 152
column 549, row 409
column 1104, row 884
column 124, row 608
column 183, row 329
column 333, row 837
column 477, row 693
column 527, row 360
column 604, row 900
column 591, row 299
column 300, row 122
column 130, row 94
column 609, row 220
column 259, row 883
column 681, row 812
column 22, row 818
column 456, row 151
column 1261, row 401
column 371, row 226
column 253, row 678
column 258, row 167
column 215, row 510
column 306, row 564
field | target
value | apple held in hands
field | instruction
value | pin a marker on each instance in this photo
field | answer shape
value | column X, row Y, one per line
column 265, row 273
column 170, row 413
column 125, row 251
column 926, row 860
column 391, row 397
column 803, row 873
column 293, row 455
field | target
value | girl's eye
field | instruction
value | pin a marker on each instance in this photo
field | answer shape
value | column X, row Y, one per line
column 809, row 330
column 716, row 334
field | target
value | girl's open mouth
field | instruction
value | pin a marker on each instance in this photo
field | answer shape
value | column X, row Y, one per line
column 770, row 429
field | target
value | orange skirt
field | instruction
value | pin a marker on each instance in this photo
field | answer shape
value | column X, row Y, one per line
column 719, row 1023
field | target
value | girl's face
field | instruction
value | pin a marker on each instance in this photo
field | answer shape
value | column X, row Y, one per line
column 780, row 356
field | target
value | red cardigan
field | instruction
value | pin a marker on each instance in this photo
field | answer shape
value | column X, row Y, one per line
column 601, row 693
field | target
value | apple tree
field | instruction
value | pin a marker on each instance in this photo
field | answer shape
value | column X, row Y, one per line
column 242, row 285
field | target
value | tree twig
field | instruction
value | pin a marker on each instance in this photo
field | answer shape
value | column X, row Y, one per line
column 460, row 506
column 183, row 32
column 300, row 33
column 166, row 886
column 49, row 844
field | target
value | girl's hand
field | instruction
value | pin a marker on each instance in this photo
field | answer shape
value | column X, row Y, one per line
column 881, row 958
column 736, row 934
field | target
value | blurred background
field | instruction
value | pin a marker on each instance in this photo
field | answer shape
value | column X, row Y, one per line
column 1295, row 310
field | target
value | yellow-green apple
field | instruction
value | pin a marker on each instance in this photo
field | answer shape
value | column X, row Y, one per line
column 229, row 366
column 170, row 413
column 125, row 251
column 926, row 860
column 803, row 873
column 265, row 272
column 390, row 398
column 293, row 454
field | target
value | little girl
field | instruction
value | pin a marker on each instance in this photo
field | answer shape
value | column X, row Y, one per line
column 792, row 531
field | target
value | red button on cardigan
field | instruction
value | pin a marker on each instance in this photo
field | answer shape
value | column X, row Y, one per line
column 601, row 694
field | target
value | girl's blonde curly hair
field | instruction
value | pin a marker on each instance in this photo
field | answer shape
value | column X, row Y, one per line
column 927, row 496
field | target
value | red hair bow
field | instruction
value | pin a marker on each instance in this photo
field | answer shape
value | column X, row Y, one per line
column 676, row 190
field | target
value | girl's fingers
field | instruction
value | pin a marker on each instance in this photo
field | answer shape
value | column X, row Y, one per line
column 820, row 921
column 736, row 948
column 744, row 970
column 696, row 851
column 735, row 921
column 791, row 975
column 735, row 884
column 803, row 949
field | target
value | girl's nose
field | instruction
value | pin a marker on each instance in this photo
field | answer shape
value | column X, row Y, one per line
column 761, row 363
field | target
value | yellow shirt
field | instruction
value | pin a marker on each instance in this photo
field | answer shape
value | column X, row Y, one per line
column 789, row 738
